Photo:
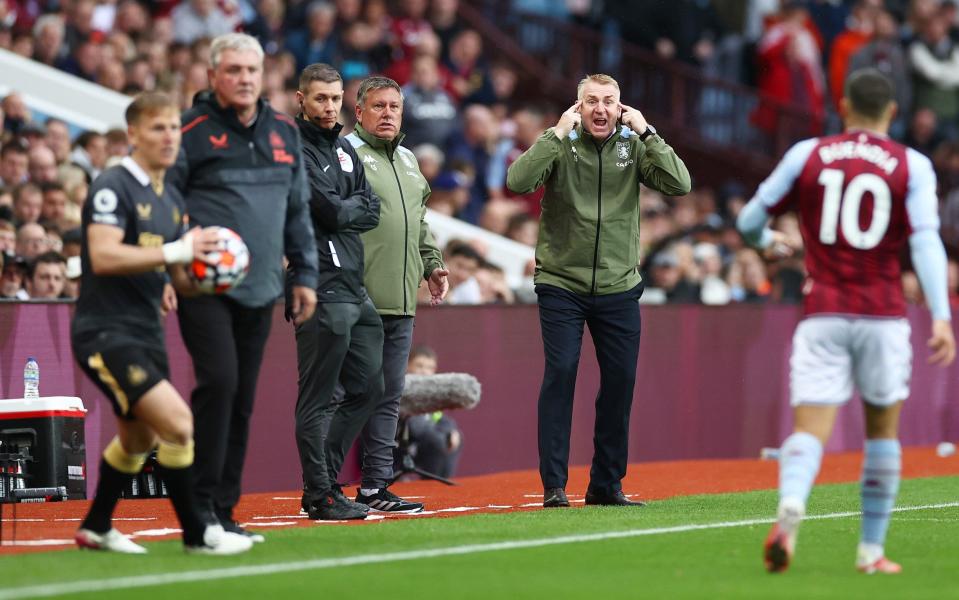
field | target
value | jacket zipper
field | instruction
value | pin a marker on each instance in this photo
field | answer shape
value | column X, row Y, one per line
column 599, row 213
column 406, row 229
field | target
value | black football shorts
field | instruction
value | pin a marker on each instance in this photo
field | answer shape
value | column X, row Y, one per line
column 123, row 367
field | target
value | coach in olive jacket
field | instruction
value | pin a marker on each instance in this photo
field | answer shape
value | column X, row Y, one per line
column 400, row 254
column 592, row 164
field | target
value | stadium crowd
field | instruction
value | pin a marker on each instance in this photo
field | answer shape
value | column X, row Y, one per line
column 462, row 119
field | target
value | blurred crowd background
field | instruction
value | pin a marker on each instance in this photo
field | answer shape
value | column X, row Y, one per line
column 465, row 121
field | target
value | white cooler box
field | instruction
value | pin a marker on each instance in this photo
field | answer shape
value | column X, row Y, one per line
column 50, row 431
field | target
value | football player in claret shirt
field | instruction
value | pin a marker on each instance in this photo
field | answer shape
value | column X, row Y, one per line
column 133, row 244
column 860, row 198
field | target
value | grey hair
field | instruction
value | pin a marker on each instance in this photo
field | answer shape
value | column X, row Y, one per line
column 429, row 151
column 599, row 78
column 233, row 41
column 49, row 19
column 320, row 6
column 376, row 83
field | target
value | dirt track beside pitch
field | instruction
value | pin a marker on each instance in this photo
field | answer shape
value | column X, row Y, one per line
column 45, row 527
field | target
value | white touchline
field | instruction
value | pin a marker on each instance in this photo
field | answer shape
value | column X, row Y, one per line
column 139, row 581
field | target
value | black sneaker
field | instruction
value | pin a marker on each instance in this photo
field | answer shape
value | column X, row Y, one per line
column 333, row 508
column 606, row 499
column 232, row 526
column 555, row 498
column 341, row 497
column 386, row 501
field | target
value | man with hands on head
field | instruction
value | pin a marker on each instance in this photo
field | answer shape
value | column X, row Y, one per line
column 592, row 164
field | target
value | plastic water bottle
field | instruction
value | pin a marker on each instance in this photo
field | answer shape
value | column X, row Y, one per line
column 31, row 379
column 769, row 454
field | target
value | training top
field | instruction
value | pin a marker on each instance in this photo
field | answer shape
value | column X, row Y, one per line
column 123, row 197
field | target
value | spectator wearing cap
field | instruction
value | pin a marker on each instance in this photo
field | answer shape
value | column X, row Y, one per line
column 11, row 281
column 71, row 242
column 668, row 276
column 46, row 276
column 27, row 203
column 14, row 165
column 33, row 134
column 450, row 193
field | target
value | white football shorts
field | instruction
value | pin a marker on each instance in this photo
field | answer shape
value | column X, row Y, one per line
column 830, row 354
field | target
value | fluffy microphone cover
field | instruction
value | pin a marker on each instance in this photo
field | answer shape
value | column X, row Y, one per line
column 443, row 391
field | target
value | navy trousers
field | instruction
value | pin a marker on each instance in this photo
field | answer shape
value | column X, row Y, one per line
column 614, row 324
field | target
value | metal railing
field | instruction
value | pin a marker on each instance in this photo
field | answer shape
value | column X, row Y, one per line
column 551, row 56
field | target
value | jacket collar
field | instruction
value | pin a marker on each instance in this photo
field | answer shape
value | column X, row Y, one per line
column 208, row 99
column 315, row 134
column 580, row 132
column 388, row 146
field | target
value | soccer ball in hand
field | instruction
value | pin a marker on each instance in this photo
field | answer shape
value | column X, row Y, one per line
column 226, row 267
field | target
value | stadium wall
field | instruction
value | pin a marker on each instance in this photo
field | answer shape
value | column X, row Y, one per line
column 712, row 383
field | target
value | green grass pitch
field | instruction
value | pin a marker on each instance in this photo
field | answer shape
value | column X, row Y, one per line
column 513, row 555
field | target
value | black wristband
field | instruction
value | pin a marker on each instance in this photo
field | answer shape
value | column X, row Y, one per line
column 650, row 130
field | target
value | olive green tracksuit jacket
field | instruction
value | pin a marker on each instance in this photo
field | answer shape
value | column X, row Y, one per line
column 589, row 228
column 400, row 251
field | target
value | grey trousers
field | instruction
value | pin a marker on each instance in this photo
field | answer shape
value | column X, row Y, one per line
column 379, row 434
column 342, row 343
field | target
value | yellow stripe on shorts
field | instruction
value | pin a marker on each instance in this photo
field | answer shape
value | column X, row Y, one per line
column 96, row 363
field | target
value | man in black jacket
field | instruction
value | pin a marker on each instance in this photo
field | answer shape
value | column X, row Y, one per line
column 344, row 339
column 240, row 167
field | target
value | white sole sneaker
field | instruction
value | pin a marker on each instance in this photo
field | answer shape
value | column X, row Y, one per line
column 111, row 541
column 217, row 542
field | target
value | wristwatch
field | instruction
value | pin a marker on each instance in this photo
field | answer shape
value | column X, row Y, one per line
column 650, row 130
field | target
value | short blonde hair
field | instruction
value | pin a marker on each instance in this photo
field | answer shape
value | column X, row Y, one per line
column 599, row 78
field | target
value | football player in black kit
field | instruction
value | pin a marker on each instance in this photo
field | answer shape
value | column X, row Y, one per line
column 134, row 246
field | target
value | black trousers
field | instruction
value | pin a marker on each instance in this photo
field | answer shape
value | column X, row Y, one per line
column 614, row 323
column 226, row 341
column 343, row 343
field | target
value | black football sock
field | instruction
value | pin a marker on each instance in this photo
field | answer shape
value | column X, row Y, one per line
column 117, row 468
column 174, row 467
